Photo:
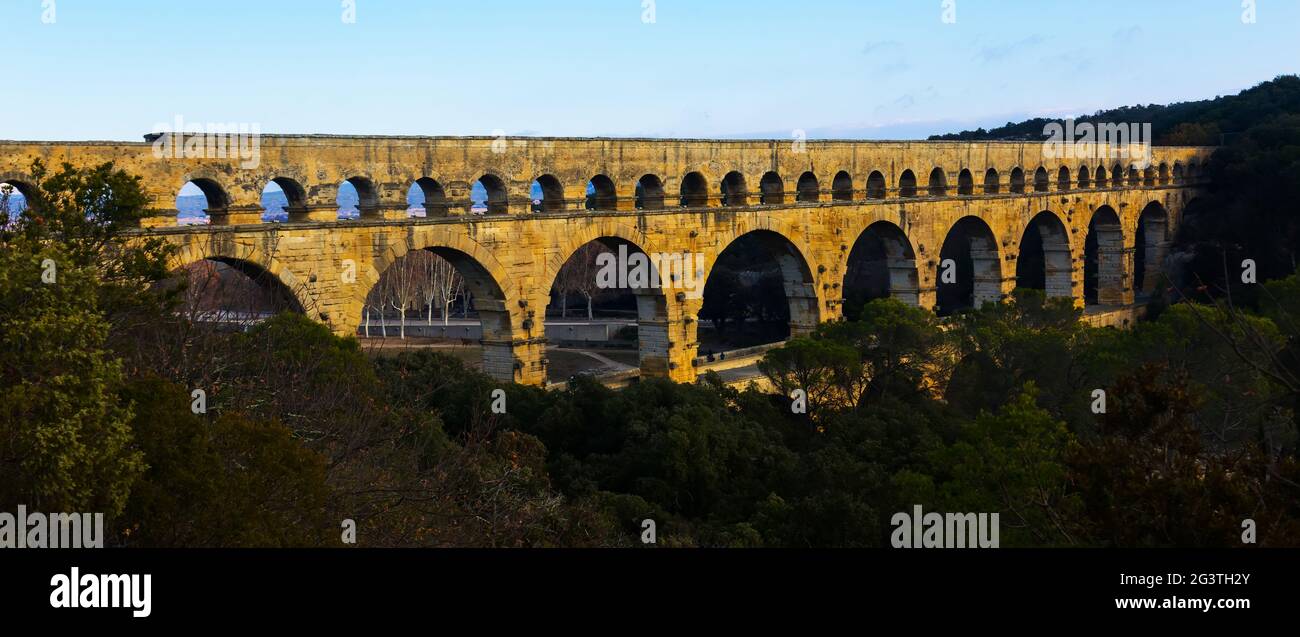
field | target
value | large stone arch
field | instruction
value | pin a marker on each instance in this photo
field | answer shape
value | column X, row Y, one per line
column 881, row 258
column 1151, row 240
column 513, row 333
column 1107, row 260
column 1046, row 231
column 660, row 311
column 798, row 270
column 976, row 274
column 243, row 255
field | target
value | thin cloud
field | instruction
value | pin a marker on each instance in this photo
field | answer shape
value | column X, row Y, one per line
column 991, row 54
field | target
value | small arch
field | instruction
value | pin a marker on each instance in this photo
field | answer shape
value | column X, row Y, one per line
column 282, row 197
column 198, row 199
column 1179, row 172
column 733, row 190
column 1134, row 176
column 1017, row 180
column 1044, row 261
column 907, row 184
column 649, row 193
column 1040, row 180
column 1102, row 181
column 1117, row 176
column 695, row 191
column 876, row 185
column 547, row 194
column 772, row 189
column 1149, row 176
column 842, row 187
column 16, row 196
column 965, row 183
column 488, row 196
column 938, row 183
column 601, row 194
column 992, row 183
column 808, row 189
column 1085, row 179
column 1164, row 174
column 1063, row 179
column 1193, row 171
column 426, row 198
column 357, row 196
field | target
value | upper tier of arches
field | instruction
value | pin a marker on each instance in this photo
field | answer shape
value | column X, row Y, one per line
column 490, row 193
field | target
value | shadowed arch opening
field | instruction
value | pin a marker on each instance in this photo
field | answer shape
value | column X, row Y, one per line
column 357, row 196
column 1152, row 245
column 229, row 294
column 772, row 189
column 937, row 185
column 198, row 199
column 1063, row 180
column 695, row 191
column 965, row 183
column 547, row 194
column 1085, row 179
column 907, row 184
column 488, row 196
column 881, row 264
column 1103, row 268
column 281, row 198
column 842, row 186
column 733, row 190
column 992, row 185
column 876, row 185
column 760, row 290
column 1149, row 176
column 1164, row 174
column 1179, row 175
column 610, row 294
column 1017, row 180
column 1134, row 176
column 1044, row 259
column 1040, row 180
column 426, row 198
column 1102, row 181
column 649, row 193
column 969, row 271
column 809, row 190
column 601, row 194
column 1117, row 176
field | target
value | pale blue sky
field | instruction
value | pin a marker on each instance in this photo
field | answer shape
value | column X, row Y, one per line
column 704, row 68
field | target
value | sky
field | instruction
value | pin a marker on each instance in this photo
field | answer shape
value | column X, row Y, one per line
column 870, row 69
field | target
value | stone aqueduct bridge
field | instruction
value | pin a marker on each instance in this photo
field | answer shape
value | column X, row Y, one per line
column 807, row 204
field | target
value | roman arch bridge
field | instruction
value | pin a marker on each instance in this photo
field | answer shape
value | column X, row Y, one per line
column 1096, row 228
